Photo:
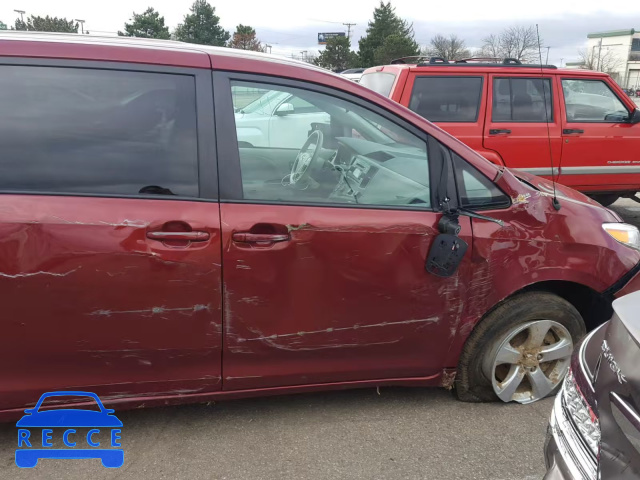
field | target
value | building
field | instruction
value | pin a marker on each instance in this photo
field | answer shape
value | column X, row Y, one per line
column 616, row 52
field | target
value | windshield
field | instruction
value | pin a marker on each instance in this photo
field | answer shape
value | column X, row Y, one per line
column 380, row 82
column 257, row 100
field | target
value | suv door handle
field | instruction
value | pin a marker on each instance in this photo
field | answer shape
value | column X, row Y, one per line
column 260, row 238
column 569, row 131
column 189, row 236
column 497, row 131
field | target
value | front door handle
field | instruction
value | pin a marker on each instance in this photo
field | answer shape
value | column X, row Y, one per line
column 260, row 238
column 188, row 236
column 498, row 131
column 569, row 131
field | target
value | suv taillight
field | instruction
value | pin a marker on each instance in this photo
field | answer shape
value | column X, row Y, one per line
column 581, row 414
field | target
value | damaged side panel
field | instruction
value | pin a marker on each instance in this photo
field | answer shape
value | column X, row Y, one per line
column 347, row 297
column 531, row 249
column 89, row 300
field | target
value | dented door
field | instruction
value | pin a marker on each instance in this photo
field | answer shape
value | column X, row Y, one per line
column 344, row 297
column 91, row 302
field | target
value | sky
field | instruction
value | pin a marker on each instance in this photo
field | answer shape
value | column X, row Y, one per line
column 291, row 26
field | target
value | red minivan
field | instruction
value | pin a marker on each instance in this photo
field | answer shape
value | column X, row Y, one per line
column 149, row 253
column 590, row 138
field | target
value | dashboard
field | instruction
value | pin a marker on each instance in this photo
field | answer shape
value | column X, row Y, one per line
column 377, row 174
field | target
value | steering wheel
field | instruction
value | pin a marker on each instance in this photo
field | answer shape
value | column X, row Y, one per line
column 307, row 159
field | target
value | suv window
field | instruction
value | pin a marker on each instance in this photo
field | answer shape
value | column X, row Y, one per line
column 592, row 101
column 522, row 100
column 72, row 130
column 380, row 82
column 364, row 158
column 447, row 99
column 477, row 191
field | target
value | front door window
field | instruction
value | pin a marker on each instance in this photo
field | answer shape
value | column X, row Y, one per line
column 592, row 101
column 322, row 149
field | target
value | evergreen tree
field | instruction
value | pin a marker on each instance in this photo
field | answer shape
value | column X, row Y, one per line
column 337, row 55
column 386, row 23
column 202, row 26
column 47, row 24
column 244, row 38
column 146, row 25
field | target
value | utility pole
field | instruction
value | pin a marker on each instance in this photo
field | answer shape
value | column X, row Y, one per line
column 599, row 52
column 302, row 54
column 349, row 25
column 21, row 12
column 81, row 22
column 547, row 60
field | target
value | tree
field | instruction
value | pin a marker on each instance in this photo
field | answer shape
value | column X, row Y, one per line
column 386, row 23
column 202, row 26
column 337, row 55
column 146, row 25
column 394, row 46
column 47, row 24
column 450, row 48
column 516, row 42
column 244, row 38
column 600, row 60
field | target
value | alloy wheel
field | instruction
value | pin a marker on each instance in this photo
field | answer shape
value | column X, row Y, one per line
column 530, row 361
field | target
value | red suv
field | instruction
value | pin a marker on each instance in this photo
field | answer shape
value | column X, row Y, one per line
column 590, row 137
column 150, row 253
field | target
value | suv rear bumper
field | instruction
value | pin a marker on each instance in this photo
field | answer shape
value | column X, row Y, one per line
column 565, row 454
column 557, row 468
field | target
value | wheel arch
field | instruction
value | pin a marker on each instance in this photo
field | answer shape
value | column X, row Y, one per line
column 594, row 307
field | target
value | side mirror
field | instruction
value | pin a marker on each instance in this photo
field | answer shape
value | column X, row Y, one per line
column 635, row 116
column 447, row 250
column 284, row 109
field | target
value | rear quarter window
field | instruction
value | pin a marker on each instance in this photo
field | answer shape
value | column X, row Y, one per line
column 90, row 131
column 380, row 82
column 447, row 99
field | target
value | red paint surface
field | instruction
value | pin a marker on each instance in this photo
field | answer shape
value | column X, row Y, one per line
column 90, row 302
column 347, row 298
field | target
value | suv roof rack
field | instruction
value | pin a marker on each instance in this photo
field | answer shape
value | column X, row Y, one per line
column 483, row 62
column 410, row 59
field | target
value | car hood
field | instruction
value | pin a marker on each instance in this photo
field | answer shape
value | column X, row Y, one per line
column 546, row 186
column 69, row 417
column 563, row 192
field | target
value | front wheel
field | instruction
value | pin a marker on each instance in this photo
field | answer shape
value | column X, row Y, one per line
column 521, row 351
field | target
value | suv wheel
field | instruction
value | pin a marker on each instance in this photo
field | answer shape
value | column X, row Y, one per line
column 606, row 199
column 521, row 351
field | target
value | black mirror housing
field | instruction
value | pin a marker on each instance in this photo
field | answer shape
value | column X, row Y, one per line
column 635, row 116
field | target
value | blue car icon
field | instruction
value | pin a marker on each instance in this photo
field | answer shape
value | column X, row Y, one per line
column 27, row 456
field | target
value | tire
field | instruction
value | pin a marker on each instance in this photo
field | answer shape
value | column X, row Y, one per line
column 532, row 311
column 606, row 199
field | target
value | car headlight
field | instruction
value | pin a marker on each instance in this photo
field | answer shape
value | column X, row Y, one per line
column 581, row 414
column 624, row 233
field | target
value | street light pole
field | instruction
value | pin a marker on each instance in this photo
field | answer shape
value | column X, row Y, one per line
column 81, row 22
column 21, row 12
